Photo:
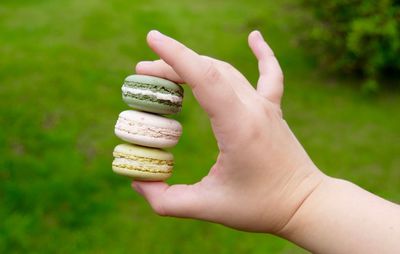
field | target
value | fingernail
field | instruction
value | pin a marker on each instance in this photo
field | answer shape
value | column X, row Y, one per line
column 137, row 188
column 155, row 35
column 259, row 35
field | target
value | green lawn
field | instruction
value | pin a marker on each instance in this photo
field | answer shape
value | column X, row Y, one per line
column 61, row 67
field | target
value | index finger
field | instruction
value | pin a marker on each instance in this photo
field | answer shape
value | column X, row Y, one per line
column 209, row 86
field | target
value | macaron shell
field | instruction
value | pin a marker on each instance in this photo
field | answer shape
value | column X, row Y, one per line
column 145, row 79
column 140, row 175
column 145, row 104
column 145, row 152
column 151, row 119
column 147, row 129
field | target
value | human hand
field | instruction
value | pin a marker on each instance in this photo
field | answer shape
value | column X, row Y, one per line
column 262, row 174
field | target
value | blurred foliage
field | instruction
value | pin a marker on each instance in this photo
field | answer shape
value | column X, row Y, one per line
column 356, row 37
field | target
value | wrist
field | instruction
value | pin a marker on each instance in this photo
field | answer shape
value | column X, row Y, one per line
column 311, row 186
column 298, row 188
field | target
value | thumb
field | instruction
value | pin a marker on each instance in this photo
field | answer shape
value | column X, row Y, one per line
column 178, row 200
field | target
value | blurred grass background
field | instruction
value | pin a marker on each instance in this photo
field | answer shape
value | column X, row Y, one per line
column 61, row 67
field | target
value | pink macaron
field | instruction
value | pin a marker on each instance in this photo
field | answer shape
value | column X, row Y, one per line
column 147, row 129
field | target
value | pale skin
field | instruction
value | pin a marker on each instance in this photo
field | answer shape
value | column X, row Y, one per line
column 263, row 180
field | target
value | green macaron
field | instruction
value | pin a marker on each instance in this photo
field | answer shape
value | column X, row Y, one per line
column 152, row 94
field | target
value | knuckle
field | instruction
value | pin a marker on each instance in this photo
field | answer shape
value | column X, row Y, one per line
column 226, row 65
column 251, row 127
column 166, row 72
column 256, row 129
column 272, row 110
column 250, row 131
column 158, row 62
column 159, row 208
column 180, row 48
column 212, row 73
column 258, row 118
column 280, row 76
column 180, row 52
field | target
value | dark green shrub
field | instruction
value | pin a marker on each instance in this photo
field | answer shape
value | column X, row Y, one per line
column 356, row 37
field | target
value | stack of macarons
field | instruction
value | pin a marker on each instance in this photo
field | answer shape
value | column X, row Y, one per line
column 145, row 130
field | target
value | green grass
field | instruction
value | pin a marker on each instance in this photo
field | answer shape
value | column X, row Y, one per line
column 61, row 68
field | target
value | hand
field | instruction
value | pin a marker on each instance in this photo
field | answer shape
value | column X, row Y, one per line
column 262, row 174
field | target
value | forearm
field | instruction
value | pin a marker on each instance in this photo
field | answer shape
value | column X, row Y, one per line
column 340, row 217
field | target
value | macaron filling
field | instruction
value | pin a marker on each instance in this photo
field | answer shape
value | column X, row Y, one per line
column 151, row 98
column 144, row 164
column 155, row 88
column 151, row 93
column 134, row 127
column 133, row 165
